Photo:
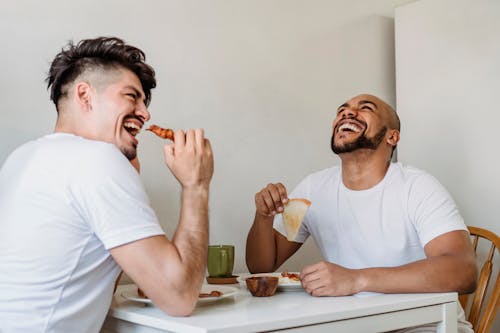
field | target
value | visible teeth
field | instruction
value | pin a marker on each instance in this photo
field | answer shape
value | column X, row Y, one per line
column 349, row 126
column 132, row 128
column 132, row 125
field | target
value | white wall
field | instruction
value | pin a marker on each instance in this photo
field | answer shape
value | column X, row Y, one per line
column 448, row 82
column 263, row 77
column 448, row 85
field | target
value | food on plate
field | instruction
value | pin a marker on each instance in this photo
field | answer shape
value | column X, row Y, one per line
column 164, row 133
column 293, row 214
column 213, row 293
column 291, row 276
column 289, row 279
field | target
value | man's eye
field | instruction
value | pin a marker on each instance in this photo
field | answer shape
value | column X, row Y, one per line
column 366, row 108
column 132, row 96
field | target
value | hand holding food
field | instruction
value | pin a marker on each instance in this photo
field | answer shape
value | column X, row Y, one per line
column 190, row 158
column 164, row 133
column 271, row 199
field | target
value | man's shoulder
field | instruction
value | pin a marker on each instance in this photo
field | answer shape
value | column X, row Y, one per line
column 81, row 154
column 413, row 177
column 80, row 149
column 408, row 172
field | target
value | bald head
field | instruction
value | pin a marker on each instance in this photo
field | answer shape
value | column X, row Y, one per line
column 392, row 117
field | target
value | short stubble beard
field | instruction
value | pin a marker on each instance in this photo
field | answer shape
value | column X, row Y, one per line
column 363, row 142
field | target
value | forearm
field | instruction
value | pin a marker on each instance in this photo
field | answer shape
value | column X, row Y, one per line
column 191, row 237
column 436, row 274
column 261, row 245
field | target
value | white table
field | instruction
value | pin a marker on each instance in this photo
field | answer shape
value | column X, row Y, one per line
column 293, row 311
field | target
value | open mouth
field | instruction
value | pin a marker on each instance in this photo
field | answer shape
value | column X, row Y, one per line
column 349, row 127
column 132, row 128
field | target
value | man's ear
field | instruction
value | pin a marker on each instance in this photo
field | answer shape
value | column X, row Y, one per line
column 393, row 137
column 83, row 95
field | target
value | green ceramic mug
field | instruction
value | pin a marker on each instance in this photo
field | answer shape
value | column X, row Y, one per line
column 220, row 260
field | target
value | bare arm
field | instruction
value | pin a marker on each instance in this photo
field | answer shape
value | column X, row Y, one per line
column 171, row 272
column 450, row 266
column 266, row 249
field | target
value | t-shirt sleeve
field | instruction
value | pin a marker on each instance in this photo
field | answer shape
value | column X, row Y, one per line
column 432, row 209
column 112, row 200
column 300, row 191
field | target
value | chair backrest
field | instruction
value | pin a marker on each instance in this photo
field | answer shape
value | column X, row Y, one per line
column 482, row 320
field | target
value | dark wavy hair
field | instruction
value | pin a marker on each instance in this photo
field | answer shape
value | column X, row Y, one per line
column 100, row 53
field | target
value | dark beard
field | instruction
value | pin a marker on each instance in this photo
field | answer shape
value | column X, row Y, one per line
column 361, row 143
column 130, row 154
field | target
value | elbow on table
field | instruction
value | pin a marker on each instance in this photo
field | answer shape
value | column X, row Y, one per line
column 182, row 291
column 180, row 305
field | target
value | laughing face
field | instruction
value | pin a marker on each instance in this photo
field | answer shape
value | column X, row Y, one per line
column 361, row 123
column 118, row 111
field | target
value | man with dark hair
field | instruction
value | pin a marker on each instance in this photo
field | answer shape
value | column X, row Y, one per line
column 73, row 210
column 381, row 226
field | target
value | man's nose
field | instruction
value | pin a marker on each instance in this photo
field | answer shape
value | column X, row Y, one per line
column 349, row 112
column 142, row 112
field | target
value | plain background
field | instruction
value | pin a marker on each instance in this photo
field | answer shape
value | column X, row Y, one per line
column 264, row 78
column 448, row 85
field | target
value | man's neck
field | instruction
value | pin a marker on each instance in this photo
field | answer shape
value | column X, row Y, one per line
column 362, row 170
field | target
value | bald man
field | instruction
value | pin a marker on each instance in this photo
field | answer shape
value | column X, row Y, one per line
column 381, row 226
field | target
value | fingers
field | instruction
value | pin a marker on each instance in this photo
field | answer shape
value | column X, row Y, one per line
column 179, row 138
column 190, row 158
column 199, row 139
column 192, row 138
column 310, row 269
column 311, row 280
column 169, row 152
column 328, row 279
column 271, row 199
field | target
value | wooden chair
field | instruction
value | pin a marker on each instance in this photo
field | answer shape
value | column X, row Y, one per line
column 483, row 320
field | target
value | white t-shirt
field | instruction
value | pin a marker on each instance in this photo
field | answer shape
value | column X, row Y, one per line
column 64, row 202
column 384, row 226
column 387, row 225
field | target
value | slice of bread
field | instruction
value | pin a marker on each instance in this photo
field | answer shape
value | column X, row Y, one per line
column 293, row 214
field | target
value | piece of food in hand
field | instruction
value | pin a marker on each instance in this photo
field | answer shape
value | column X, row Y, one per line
column 164, row 133
column 213, row 293
column 293, row 214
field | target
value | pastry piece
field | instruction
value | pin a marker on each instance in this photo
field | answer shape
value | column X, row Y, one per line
column 293, row 214
column 164, row 133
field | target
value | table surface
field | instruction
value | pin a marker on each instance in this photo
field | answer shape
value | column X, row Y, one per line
column 245, row 313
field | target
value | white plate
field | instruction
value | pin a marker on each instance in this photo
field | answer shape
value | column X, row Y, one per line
column 285, row 284
column 226, row 291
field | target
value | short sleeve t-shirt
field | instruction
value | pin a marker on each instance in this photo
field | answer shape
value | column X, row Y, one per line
column 385, row 226
column 64, row 202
